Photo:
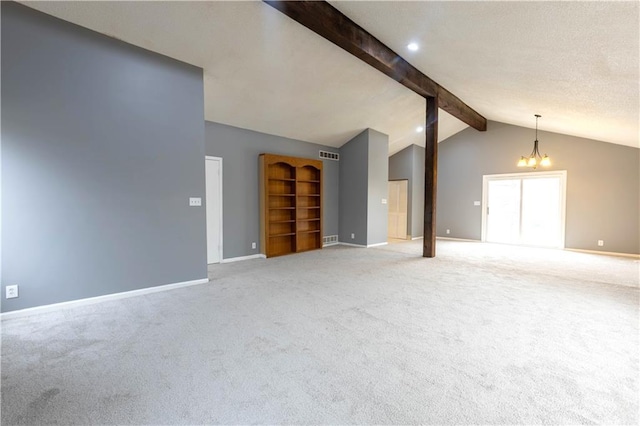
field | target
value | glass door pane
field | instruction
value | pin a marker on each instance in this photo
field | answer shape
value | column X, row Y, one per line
column 503, row 216
column 541, row 215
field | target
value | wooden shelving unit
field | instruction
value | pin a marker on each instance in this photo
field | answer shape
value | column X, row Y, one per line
column 290, row 204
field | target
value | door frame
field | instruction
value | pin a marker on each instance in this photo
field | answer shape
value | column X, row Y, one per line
column 219, row 160
column 562, row 174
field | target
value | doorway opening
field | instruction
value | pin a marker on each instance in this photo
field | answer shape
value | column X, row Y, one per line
column 524, row 208
column 213, row 183
column 398, row 203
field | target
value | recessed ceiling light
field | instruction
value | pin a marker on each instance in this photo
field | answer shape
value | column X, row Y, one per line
column 412, row 46
column 419, row 129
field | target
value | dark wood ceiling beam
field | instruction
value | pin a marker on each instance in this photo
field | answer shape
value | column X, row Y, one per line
column 430, row 179
column 330, row 23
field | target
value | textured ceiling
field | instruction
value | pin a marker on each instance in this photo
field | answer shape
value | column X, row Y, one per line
column 575, row 63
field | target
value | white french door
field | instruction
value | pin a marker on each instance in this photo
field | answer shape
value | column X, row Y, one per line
column 213, row 183
column 524, row 208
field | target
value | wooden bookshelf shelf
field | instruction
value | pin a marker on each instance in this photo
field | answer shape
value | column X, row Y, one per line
column 290, row 204
column 283, row 235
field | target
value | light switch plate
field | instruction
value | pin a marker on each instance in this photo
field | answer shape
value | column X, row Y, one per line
column 195, row 202
column 476, row 203
column 384, row 201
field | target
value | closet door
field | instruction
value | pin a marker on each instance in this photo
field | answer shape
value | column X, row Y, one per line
column 398, row 208
column 213, row 176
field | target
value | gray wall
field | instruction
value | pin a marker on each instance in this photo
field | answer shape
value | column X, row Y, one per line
column 354, row 190
column 378, row 188
column 603, row 183
column 409, row 164
column 239, row 149
column 103, row 144
column 364, row 178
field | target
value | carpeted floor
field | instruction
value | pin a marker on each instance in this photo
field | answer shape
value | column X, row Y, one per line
column 481, row 334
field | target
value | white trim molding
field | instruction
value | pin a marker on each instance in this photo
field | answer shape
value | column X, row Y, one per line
column 352, row 245
column 377, row 244
column 362, row 245
column 241, row 258
column 330, row 244
column 458, row 239
column 606, row 253
column 98, row 299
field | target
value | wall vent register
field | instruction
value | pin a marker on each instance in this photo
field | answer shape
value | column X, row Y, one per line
column 327, row 155
column 329, row 240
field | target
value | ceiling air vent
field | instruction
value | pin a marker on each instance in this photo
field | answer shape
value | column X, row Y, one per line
column 329, row 155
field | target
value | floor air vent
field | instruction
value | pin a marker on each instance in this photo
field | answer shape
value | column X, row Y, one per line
column 329, row 155
column 329, row 240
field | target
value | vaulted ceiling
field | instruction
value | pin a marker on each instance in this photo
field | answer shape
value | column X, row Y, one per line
column 575, row 63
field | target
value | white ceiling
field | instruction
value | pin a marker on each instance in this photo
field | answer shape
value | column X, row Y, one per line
column 574, row 63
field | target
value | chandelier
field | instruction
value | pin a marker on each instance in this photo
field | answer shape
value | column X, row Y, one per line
column 535, row 159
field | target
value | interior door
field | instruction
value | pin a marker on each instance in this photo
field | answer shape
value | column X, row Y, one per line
column 398, row 206
column 213, row 173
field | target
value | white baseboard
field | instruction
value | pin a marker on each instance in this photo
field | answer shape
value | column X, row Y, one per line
column 330, row 244
column 377, row 244
column 416, row 238
column 606, row 253
column 352, row 245
column 457, row 239
column 98, row 299
column 362, row 245
column 241, row 258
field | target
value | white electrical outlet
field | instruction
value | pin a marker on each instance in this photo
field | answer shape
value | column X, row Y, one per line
column 12, row 291
column 253, row 245
column 353, row 236
column 600, row 243
column 195, row 202
column 448, row 231
column 476, row 203
column 384, row 201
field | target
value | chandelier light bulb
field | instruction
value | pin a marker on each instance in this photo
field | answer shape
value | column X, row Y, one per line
column 522, row 162
column 546, row 161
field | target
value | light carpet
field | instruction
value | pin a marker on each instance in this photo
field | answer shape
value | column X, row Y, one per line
column 481, row 334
